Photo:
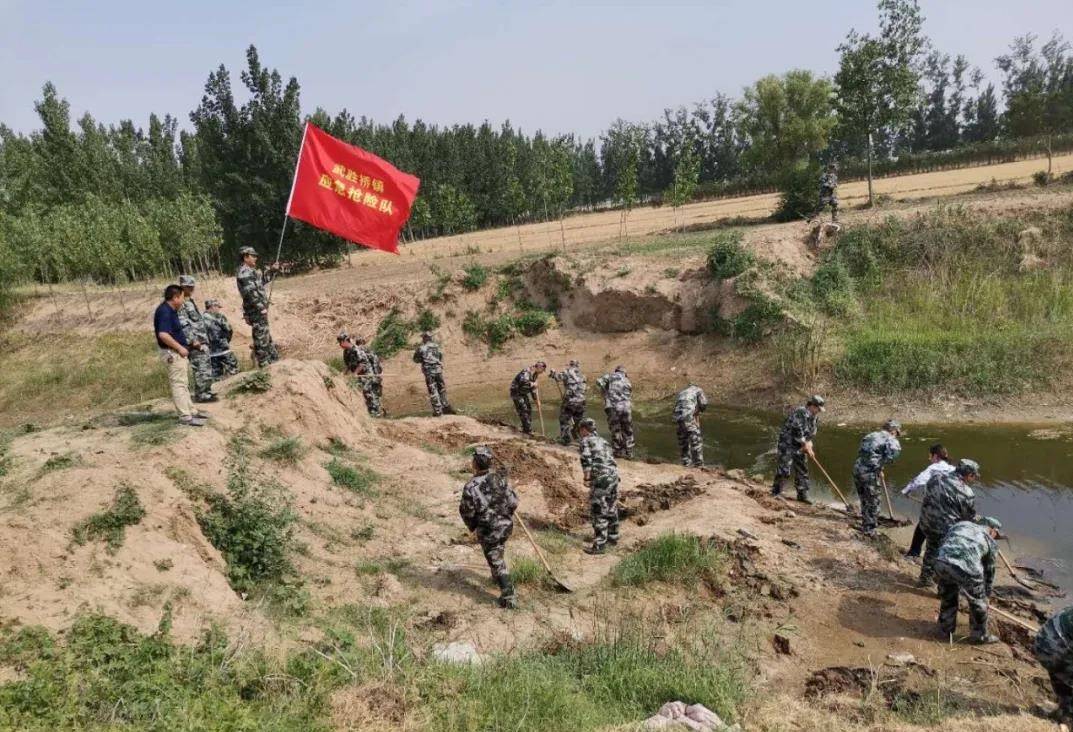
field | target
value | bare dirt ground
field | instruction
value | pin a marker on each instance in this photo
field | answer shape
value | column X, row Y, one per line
column 841, row 607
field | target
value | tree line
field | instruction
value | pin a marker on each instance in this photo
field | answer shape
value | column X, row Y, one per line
column 120, row 202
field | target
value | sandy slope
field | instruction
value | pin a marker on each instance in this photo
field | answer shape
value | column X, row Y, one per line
column 799, row 571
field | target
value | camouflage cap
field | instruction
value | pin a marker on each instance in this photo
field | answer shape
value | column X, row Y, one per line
column 587, row 424
column 892, row 425
column 360, row 340
column 482, row 456
column 968, row 467
column 574, row 362
column 992, row 523
column 212, row 303
column 540, row 365
column 187, row 281
column 817, row 401
column 243, row 251
column 620, row 368
column 426, row 336
column 343, row 336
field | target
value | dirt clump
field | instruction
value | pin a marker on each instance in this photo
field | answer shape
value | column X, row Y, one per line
column 646, row 498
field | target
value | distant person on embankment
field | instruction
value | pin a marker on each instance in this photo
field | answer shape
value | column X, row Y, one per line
column 828, row 192
column 938, row 463
column 174, row 353
column 795, row 447
column 430, row 356
column 251, row 286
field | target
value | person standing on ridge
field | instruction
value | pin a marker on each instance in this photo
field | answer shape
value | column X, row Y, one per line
column 430, row 356
column 221, row 357
column 251, row 286
column 195, row 328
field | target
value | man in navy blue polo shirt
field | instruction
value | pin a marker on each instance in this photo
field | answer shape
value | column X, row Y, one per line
column 173, row 352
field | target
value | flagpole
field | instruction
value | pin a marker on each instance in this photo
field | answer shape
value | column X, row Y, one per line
column 287, row 211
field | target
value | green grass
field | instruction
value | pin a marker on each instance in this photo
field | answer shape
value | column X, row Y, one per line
column 727, row 257
column 42, row 379
column 110, row 524
column 475, row 277
column 673, row 558
column 60, row 462
column 286, row 450
column 392, row 334
column 359, row 479
column 255, row 382
column 154, row 434
column 529, row 572
column 426, row 320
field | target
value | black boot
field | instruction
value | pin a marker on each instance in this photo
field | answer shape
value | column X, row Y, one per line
column 594, row 549
column 802, row 496
column 507, row 598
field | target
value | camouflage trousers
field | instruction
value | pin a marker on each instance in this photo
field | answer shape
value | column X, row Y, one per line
column 603, row 509
column 828, row 199
column 264, row 350
column 373, row 391
column 1056, row 656
column 493, row 544
column 867, row 484
column 620, row 423
column 952, row 580
column 932, row 541
column 201, row 369
column 791, row 461
column 570, row 414
column 224, row 365
column 690, row 443
column 523, row 405
column 437, row 392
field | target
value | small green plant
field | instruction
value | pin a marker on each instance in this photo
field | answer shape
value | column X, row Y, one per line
column 287, row 450
column 110, row 524
column 832, row 287
column 727, row 257
column 362, row 535
column 671, row 272
column 255, row 382
column 155, row 434
column 475, row 277
column 358, row 479
column 163, row 565
column 443, row 279
column 674, row 558
column 756, row 321
column 392, row 334
column 1042, row 178
column 427, row 320
column 60, row 462
column 526, row 571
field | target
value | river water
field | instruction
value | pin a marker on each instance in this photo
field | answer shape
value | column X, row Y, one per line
column 1027, row 473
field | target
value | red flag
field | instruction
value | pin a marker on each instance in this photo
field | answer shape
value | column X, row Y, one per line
column 350, row 192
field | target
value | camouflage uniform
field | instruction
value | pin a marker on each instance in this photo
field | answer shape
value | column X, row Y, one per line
column 223, row 360
column 618, row 406
column 365, row 365
column 487, row 508
column 947, row 500
column 691, row 402
column 572, row 409
column 800, row 427
column 965, row 561
column 430, row 357
column 522, row 389
column 1054, row 649
column 195, row 329
column 877, row 450
column 599, row 464
column 828, row 194
column 251, row 285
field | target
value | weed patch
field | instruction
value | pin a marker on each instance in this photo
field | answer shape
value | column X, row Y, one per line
column 673, row 558
column 255, row 382
column 286, row 450
column 475, row 277
column 727, row 257
column 359, row 479
column 426, row 320
column 110, row 524
column 392, row 334
column 60, row 462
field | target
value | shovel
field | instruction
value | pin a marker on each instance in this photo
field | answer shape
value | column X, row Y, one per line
column 886, row 494
column 1007, row 616
column 829, row 480
column 559, row 584
column 1028, row 585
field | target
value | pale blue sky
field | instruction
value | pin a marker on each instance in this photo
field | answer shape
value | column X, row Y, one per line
column 558, row 66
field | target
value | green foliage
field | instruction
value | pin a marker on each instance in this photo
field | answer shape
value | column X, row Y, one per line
column 359, row 479
column 110, row 524
column 832, row 287
column 392, row 334
column 287, row 450
column 533, row 321
column 1041, row 178
column 60, row 462
column 529, row 572
column 727, row 257
column 786, row 119
column 252, row 526
column 258, row 381
column 798, row 191
column 426, row 320
column 674, row 558
column 476, row 276
column 154, row 434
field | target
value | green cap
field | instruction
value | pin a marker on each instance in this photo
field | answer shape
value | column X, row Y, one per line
column 482, row 456
column 968, row 467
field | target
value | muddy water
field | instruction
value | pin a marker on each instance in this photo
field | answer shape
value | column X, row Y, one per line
column 1027, row 472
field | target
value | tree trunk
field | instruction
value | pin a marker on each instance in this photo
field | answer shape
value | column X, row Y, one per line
column 871, row 197
column 1050, row 155
column 562, row 232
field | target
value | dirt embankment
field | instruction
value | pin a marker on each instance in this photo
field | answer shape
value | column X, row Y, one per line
column 817, row 607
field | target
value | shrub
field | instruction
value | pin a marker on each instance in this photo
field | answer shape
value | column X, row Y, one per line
column 426, row 320
column 110, row 524
column 798, row 192
column 727, row 258
column 533, row 321
column 392, row 334
column 527, row 571
column 288, row 450
column 677, row 558
column 499, row 330
column 475, row 277
column 832, row 287
column 1042, row 178
column 255, row 382
column 60, row 462
column 758, row 320
column 357, row 479
column 252, row 525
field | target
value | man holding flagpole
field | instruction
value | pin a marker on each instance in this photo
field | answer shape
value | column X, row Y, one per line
column 251, row 285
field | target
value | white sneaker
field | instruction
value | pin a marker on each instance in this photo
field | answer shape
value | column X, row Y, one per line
column 191, row 421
